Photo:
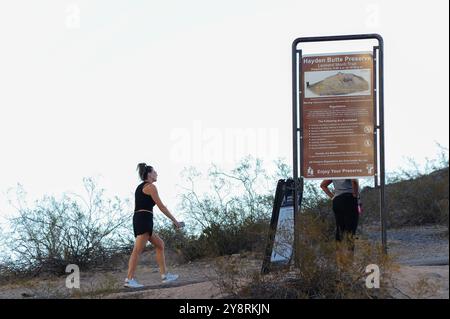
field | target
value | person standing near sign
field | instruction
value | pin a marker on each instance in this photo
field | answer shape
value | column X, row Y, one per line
column 345, row 207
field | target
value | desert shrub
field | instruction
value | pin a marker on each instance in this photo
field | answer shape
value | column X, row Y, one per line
column 88, row 231
column 327, row 271
column 216, row 240
column 233, row 239
column 233, row 217
column 415, row 194
column 419, row 201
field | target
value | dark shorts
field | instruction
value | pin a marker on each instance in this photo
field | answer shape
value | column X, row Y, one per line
column 142, row 223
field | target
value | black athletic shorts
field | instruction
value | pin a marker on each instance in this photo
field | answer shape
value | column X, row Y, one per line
column 142, row 223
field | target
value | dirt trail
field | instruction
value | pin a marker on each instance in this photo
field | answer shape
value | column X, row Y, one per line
column 196, row 280
column 422, row 253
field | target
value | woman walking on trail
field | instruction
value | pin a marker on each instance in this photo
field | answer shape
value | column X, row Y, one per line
column 345, row 208
column 146, row 196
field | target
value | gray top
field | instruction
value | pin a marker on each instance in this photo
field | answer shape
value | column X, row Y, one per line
column 342, row 186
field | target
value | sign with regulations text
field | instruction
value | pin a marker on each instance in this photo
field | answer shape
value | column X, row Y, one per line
column 338, row 116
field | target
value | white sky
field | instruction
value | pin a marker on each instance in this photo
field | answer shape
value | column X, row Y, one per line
column 92, row 87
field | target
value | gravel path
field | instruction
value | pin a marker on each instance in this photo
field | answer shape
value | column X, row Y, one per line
column 415, row 246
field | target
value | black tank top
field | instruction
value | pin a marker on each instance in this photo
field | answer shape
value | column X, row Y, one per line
column 142, row 200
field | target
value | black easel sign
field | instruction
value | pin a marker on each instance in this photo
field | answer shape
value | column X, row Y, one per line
column 280, row 245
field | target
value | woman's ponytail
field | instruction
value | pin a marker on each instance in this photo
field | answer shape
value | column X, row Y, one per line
column 143, row 169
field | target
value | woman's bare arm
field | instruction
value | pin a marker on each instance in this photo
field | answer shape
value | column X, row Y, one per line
column 324, row 186
column 151, row 190
column 355, row 187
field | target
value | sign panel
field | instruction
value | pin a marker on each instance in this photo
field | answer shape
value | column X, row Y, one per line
column 284, row 236
column 338, row 116
column 279, row 249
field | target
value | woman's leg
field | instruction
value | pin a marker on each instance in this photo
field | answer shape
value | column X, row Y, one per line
column 159, row 247
column 339, row 215
column 339, row 209
column 139, row 245
column 351, row 221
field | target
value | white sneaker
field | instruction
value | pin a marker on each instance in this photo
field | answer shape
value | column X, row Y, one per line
column 132, row 283
column 168, row 277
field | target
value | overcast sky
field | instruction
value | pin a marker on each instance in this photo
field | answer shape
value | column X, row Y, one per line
column 93, row 87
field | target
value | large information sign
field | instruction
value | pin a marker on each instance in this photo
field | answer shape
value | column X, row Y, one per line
column 337, row 98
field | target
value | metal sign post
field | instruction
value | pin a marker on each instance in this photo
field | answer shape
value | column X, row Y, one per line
column 360, row 142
